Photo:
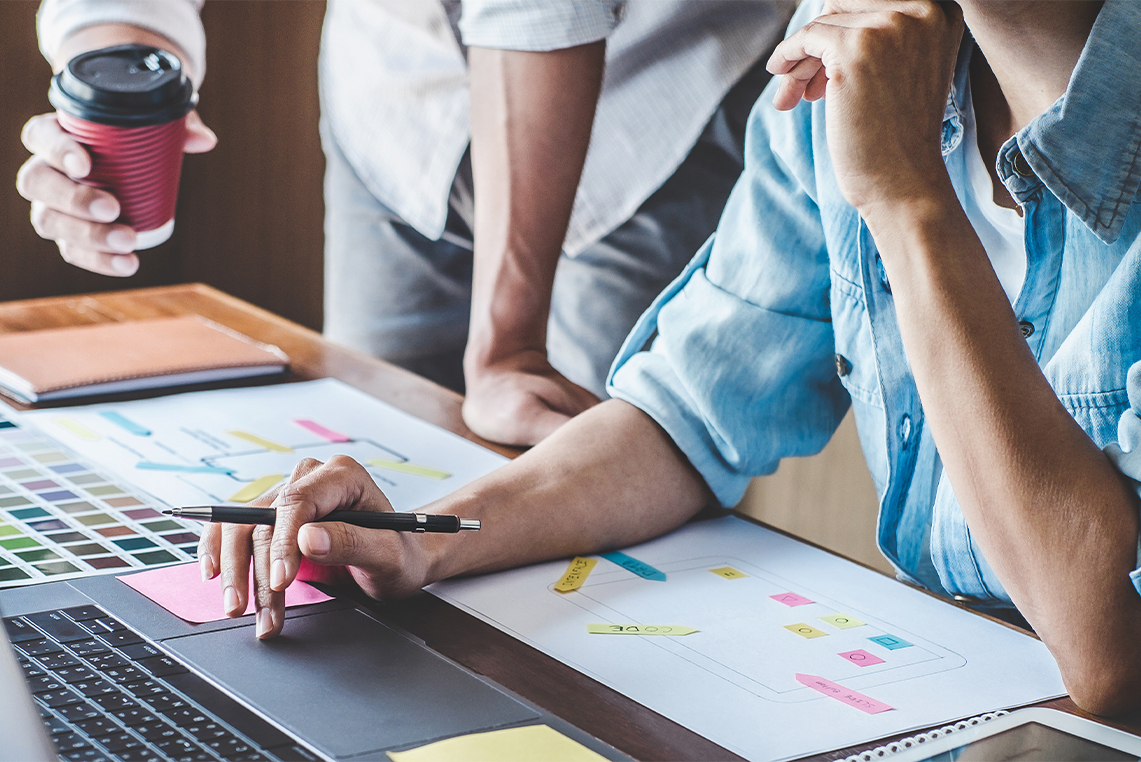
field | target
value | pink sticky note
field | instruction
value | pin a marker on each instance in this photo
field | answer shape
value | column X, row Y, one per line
column 322, row 432
column 181, row 591
column 791, row 599
column 862, row 658
column 846, row 695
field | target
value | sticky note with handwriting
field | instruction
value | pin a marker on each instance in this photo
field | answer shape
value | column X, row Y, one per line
column 629, row 563
column 728, row 572
column 639, row 629
column 840, row 693
column 576, row 574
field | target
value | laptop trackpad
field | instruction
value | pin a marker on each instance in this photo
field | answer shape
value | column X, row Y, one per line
column 347, row 684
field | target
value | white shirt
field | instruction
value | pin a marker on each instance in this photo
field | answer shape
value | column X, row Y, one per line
column 394, row 84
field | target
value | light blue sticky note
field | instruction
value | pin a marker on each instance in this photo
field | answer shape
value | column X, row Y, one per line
column 890, row 642
column 629, row 563
column 147, row 465
column 125, row 423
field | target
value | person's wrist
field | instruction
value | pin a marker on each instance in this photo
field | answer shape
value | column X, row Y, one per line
column 488, row 350
column 907, row 205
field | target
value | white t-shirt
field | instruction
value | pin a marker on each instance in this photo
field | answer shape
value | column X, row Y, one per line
column 1001, row 230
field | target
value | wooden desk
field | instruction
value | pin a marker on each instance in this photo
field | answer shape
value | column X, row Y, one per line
column 559, row 689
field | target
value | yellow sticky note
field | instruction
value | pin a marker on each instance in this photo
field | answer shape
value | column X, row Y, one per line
column 639, row 629
column 256, row 488
column 527, row 744
column 804, row 630
column 408, row 468
column 728, row 572
column 843, row 621
column 255, row 439
column 77, row 428
column 576, row 574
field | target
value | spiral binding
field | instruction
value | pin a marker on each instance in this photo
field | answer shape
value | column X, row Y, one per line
column 880, row 752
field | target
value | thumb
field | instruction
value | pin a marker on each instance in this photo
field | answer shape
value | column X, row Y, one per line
column 336, row 544
column 199, row 137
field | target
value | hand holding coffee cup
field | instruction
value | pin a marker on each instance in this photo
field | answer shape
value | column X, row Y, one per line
column 104, row 175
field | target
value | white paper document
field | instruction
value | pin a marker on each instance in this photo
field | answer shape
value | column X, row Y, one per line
column 773, row 616
column 230, row 446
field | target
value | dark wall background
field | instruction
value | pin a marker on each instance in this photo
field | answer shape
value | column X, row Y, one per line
column 250, row 212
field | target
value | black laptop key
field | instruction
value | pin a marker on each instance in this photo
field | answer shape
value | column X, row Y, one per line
column 40, row 647
column 157, row 731
column 75, row 674
column 128, row 673
column 183, row 749
column 57, row 625
column 231, row 747
column 165, row 702
column 186, row 718
column 228, row 710
column 66, row 742
column 114, row 702
column 254, row 756
column 44, row 682
column 19, row 630
column 57, row 661
column 83, row 613
column 161, row 666
column 141, row 754
column 89, row 754
column 140, row 651
column 135, row 715
column 100, row 726
column 120, row 638
column 31, row 669
column 106, row 661
column 55, row 725
column 206, row 731
column 91, row 688
column 144, row 688
column 77, row 712
column 120, row 741
column 59, row 698
column 88, row 647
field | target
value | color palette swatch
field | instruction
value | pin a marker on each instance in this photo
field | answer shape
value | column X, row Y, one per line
column 60, row 518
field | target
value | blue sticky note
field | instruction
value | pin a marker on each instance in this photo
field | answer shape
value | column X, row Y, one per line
column 890, row 642
column 147, row 465
column 629, row 563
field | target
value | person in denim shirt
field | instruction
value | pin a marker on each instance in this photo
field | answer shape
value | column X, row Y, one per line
column 956, row 255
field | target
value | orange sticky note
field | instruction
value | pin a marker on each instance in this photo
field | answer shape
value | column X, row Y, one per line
column 180, row 590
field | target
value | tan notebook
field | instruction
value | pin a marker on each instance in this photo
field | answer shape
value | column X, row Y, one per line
column 108, row 358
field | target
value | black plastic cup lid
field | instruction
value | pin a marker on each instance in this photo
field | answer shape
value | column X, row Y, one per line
column 125, row 86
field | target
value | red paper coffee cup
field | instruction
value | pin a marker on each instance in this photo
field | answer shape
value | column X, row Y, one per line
column 128, row 106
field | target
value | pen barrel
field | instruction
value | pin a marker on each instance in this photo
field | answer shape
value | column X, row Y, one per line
column 240, row 515
column 398, row 522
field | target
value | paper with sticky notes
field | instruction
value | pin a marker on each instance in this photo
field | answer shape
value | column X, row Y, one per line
column 233, row 445
column 739, row 670
column 181, row 591
column 527, row 744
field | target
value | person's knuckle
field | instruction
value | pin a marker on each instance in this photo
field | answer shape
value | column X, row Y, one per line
column 262, row 537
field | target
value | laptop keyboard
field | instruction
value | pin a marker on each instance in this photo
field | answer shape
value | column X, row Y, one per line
column 105, row 693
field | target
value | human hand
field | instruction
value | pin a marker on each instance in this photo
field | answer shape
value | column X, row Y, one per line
column 385, row 564
column 521, row 399
column 79, row 218
column 885, row 69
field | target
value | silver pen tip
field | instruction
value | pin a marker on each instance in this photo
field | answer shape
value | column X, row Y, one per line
column 172, row 512
column 469, row 525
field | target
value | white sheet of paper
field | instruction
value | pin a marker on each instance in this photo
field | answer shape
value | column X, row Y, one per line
column 733, row 681
column 254, row 433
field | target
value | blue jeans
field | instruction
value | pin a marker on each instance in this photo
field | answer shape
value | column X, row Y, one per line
column 395, row 294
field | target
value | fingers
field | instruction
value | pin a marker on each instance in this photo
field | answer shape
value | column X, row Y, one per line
column 236, row 548
column 43, row 137
column 209, row 551
column 199, row 137
column 315, row 490
column 270, row 603
column 384, row 564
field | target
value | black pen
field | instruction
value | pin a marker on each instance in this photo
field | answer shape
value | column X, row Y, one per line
column 397, row 522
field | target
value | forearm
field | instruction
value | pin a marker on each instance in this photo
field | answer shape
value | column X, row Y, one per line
column 1053, row 516
column 531, row 122
column 609, row 478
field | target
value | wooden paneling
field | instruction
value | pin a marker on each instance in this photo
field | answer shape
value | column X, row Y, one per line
column 250, row 213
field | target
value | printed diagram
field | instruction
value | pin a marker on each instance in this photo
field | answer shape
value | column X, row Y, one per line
column 758, row 630
column 232, row 446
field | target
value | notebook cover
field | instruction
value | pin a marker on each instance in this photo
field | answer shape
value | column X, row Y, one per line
column 55, row 361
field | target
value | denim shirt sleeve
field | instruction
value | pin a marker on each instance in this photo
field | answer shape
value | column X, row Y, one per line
column 740, row 367
column 1126, row 451
column 538, row 25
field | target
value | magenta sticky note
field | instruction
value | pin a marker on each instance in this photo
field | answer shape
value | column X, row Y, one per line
column 861, row 658
column 791, row 599
column 322, row 432
column 181, row 591
column 842, row 694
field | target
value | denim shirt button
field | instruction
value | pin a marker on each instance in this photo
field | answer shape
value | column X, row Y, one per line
column 1021, row 168
column 843, row 367
column 905, row 429
column 1026, row 327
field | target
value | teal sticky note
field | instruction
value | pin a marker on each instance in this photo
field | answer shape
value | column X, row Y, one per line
column 890, row 642
column 641, row 568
